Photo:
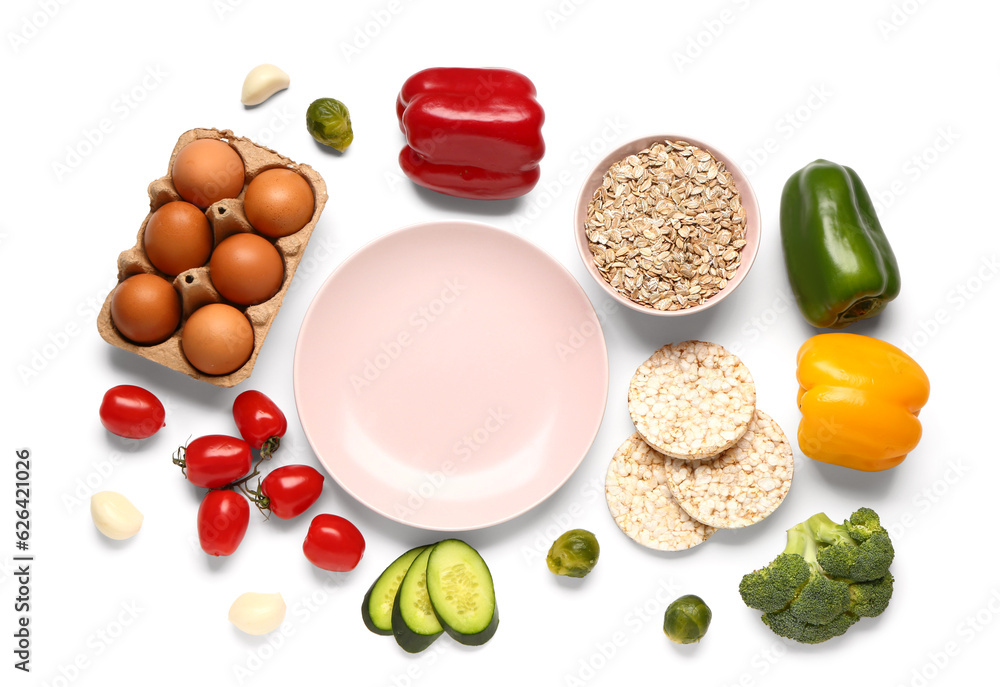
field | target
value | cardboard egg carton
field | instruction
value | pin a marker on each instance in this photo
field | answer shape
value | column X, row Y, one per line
column 226, row 218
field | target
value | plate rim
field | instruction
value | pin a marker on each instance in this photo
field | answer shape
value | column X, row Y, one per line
column 483, row 523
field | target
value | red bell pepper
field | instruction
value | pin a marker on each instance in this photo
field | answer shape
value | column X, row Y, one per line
column 472, row 133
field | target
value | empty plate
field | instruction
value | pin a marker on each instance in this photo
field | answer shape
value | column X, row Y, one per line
column 450, row 375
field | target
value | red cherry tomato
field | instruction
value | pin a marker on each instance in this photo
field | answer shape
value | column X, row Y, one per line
column 259, row 420
column 333, row 543
column 215, row 460
column 291, row 489
column 223, row 518
column 131, row 412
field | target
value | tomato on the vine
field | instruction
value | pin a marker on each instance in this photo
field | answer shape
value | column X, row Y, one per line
column 333, row 543
column 223, row 518
column 259, row 421
column 291, row 489
column 131, row 412
column 214, row 460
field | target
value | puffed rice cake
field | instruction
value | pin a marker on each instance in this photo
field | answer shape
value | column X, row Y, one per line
column 641, row 503
column 740, row 486
column 692, row 400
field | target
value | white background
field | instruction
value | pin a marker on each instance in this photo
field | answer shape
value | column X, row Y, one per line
column 903, row 91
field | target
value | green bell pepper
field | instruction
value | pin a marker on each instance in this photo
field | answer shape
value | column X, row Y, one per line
column 840, row 265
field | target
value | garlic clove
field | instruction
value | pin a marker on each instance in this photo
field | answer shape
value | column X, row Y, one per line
column 256, row 613
column 262, row 82
column 114, row 515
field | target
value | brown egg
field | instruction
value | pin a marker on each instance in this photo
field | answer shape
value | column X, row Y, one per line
column 178, row 237
column 206, row 171
column 246, row 269
column 279, row 202
column 146, row 309
column 217, row 339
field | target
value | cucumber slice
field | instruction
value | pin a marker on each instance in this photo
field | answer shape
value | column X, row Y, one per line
column 460, row 588
column 376, row 609
column 414, row 623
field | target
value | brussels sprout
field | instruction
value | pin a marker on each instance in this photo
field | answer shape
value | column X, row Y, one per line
column 573, row 554
column 329, row 122
column 686, row 620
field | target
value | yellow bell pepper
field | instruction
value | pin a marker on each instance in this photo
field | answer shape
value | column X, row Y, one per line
column 859, row 398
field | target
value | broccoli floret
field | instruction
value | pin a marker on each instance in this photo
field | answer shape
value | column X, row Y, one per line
column 784, row 624
column 863, row 523
column 810, row 592
column 794, row 582
column 869, row 599
column 773, row 588
column 821, row 600
column 859, row 549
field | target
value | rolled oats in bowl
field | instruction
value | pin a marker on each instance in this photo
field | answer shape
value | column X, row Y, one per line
column 668, row 226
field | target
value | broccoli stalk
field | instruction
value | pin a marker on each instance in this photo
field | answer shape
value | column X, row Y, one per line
column 828, row 576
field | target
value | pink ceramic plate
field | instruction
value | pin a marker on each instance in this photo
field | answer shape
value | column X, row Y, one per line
column 451, row 375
